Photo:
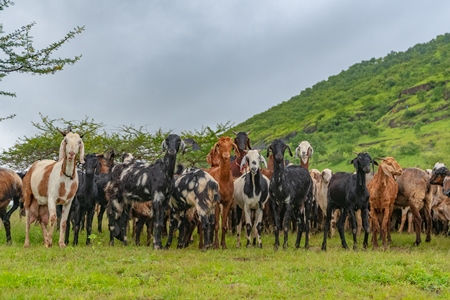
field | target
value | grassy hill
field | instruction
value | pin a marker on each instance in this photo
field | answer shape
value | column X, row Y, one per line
column 396, row 106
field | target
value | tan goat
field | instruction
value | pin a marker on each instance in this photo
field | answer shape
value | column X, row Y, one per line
column 383, row 190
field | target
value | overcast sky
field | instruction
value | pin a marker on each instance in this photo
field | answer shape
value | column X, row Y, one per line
column 180, row 65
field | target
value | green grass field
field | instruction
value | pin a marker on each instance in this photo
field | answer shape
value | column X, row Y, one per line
column 139, row 272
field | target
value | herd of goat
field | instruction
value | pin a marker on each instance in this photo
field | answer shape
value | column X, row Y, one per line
column 244, row 189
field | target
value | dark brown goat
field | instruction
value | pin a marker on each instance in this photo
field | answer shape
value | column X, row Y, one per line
column 10, row 189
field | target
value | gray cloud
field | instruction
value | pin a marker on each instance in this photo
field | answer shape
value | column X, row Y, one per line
column 181, row 65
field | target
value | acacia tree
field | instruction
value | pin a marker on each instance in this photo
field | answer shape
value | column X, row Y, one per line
column 19, row 54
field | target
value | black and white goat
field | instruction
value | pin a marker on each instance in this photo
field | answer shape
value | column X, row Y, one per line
column 251, row 192
column 142, row 182
column 10, row 189
column 348, row 193
column 291, row 191
column 197, row 192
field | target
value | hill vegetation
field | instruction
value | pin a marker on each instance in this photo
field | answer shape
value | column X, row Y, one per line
column 391, row 106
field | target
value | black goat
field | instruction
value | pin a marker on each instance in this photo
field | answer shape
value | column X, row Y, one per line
column 83, row 205
column 194, row 189
column 10, row 189
column 291, row 191
column 106, row 164
column 348, row 192
column 142, row 182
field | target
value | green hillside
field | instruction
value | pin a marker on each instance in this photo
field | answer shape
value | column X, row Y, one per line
column 391, row 106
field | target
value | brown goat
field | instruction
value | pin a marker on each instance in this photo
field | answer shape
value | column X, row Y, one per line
column 222, row 174
column 10, row 190
column 383, row 190
column 414, row 191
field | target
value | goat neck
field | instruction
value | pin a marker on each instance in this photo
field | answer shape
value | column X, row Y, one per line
column 304, row 164
column 68, row 168
column 169, row 162
column 361, row 179
column 225, row 168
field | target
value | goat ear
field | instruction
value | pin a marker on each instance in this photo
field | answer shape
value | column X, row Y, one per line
column 261, row 158
column 164, row 145
column 312, row 151
column 62, row 149
column 248, row 142
column 290, row 152
column 236, row 150
column 243, row 162
column 268, row 151
column 81, row 152
column 183, row 147
column 374, row 162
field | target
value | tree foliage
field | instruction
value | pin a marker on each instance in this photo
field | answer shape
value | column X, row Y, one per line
column 144, row 145
column 19, row 55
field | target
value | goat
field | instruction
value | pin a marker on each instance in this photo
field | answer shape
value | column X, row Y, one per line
column 251, row 192
column 141, row 212
column 322, row 179
column 222, row 174
column 106, row 161
column 142, row 182
column 50, row 183
column 242, row 141
column 84, row 201
column 414, row 191
column 304, row 151
column 348, row 193
column 10, row 189
column 195, row 192
column 290, row 192
column 383, row 191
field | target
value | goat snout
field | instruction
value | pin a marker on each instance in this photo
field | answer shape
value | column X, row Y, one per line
column 254, row 169
column 71, row 155
column 279, row 156
column 226, row 155
column 171, row 152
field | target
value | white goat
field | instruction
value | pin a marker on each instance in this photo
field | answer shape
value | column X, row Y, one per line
column 304, row 151
column 50, row 183
column 251, row 192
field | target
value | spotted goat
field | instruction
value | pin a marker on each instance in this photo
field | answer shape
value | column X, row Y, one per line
column 195, row 193
column 142, row 182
